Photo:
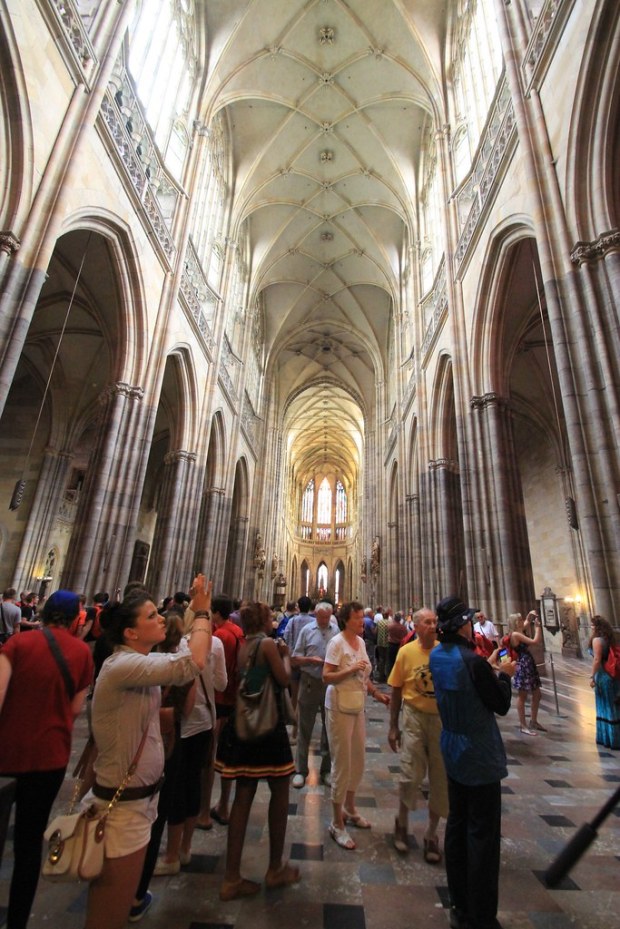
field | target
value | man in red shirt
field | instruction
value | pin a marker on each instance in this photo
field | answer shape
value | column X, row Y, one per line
column 231, row 637
column 44, row 679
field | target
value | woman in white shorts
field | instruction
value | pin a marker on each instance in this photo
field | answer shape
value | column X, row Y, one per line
column 125, row 704
column 347, row 673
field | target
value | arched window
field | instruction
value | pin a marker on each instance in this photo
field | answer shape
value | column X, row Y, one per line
column 322, row 577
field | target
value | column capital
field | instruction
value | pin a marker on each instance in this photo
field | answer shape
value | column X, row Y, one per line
column 486, row 400
column 9, row 243
column 121, row 389
column 179, row 454
column 443, row 464
column 607, row 242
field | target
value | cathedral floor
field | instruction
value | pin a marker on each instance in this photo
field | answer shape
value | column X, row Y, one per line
column 556, row 782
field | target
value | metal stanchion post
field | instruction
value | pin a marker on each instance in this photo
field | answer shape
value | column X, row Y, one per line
column 555, row 689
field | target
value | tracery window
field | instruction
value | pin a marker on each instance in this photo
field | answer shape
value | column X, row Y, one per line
column 431, row 212
column 341, row 503
column 212, row 197
column 307, row 503
column 476, row 67
column 163, row 62
column 324, row 503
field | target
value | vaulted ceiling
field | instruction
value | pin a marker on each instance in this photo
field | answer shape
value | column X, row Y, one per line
column 327, row 103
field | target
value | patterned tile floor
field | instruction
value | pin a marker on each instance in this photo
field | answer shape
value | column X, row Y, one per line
column 556, row 782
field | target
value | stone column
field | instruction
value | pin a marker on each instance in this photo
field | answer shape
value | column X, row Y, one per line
column 512, row 566
column 105, row 516
column 210, row 530
column 415, row 597
column 39, row 528
column 166, row 568
column 444, row 479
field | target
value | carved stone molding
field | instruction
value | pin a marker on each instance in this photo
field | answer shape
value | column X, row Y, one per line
column 607, row 242
column 327, row 35
column 9, row 243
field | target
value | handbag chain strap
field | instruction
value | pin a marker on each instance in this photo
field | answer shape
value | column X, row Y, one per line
column 131, row 770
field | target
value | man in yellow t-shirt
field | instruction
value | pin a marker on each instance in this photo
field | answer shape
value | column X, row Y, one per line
column 412, row 688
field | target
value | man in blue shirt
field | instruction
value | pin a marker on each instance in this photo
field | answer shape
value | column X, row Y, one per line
column 470, row 690
column 309, row 657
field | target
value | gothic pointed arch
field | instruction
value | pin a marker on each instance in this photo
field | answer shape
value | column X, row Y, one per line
column 16, row 140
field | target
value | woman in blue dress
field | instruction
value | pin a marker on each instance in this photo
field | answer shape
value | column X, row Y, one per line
column 606, row 689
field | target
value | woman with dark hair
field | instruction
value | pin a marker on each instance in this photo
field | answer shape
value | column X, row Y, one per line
column 606, row 690
column 44, row 679
column 347, row 673
column 126, row 705
column 248, row 762
column 527, row 678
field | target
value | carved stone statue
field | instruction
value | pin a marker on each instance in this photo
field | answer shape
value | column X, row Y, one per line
column 259, row 553
column 375, row 556
column 274, row 565
column 364, row 572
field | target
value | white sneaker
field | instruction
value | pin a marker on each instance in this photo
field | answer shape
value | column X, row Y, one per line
column 298, row 781
column 164, row 867
column 527, row 731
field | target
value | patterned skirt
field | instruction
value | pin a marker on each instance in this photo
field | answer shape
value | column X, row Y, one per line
column 526, row 676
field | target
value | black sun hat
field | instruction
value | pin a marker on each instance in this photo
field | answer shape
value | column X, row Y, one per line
column 452, row 613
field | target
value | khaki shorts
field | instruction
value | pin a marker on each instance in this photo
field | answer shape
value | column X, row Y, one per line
column 128, row 827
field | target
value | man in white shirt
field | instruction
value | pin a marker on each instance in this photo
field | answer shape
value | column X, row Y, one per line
column 485, row 627
column 10, row 615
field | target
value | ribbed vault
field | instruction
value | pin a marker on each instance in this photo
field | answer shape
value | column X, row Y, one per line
column 327, row 103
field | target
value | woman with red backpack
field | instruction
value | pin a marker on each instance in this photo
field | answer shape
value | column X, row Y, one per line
column 606, row 688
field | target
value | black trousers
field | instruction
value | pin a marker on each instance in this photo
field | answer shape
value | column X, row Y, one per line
column 34, row 795
column 471, row 847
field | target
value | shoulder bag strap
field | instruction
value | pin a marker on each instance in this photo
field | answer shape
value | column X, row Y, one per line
column 60, row 661
column 5, row 630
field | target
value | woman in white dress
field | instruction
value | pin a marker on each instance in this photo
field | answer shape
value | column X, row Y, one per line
column 347, row 673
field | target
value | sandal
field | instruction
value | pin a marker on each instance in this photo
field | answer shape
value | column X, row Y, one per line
column 356, row 819
column 400, row 838
column 341, row 837
column 285, row 875
column 231, row 890
column 537, row 726
column 432, row 855
column 219, row 819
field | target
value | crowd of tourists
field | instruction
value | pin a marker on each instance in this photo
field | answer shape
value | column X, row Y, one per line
column 162, row 684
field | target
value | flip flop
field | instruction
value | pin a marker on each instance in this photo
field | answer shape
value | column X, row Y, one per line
column 341, row 837
column 356, row 819
column 284, row 876
column 231, row 890
column 205, row 828
column 219, row 819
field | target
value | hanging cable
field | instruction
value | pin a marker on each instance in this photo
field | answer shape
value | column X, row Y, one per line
column 20, row 486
